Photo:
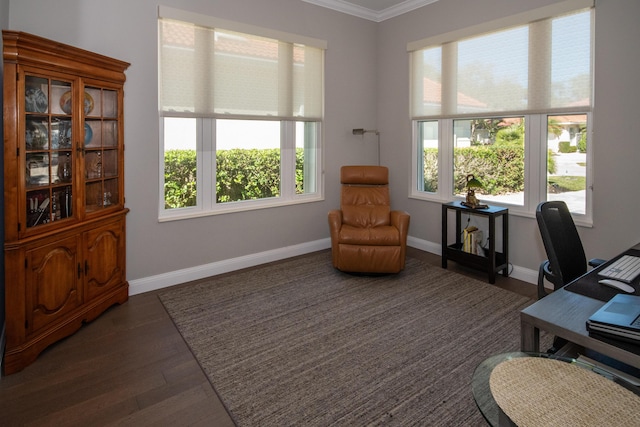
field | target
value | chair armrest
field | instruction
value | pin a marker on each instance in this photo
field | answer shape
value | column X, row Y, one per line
column 543, row 272
column 596, row 262
column 335, row 224
column 400, row 220
column 335, row 221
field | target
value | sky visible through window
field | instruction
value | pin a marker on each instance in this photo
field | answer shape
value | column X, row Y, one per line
column 180, row 134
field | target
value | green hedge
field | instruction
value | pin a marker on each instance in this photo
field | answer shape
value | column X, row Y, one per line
column 255, row 174
column 566, row 147
column 241, row 175
column 247, row 174
column 500, row 168
column 179, row 178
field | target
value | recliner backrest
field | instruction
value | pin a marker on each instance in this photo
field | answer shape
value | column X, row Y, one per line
column 364, row 198
column 562, row 242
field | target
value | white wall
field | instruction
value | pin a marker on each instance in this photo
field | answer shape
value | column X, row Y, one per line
column 366, row 86
column 615, row 140
column 126, row 30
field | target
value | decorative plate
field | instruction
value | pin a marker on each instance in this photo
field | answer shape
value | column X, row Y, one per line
column 88, row 134
column 65, row 103
column 36, row 135
column 35, row 100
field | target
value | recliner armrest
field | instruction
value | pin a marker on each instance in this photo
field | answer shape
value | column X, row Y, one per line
column 335, row 223
column 400, row 220
column 335, row 220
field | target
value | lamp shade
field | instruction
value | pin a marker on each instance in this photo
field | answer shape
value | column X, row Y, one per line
column 472, row 182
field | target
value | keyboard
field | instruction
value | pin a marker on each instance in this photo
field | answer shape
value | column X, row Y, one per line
column 624, row 269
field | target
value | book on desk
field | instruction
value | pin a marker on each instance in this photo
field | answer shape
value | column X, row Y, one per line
column 618, row 319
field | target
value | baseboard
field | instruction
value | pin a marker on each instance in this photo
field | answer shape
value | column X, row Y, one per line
column 525, row 274
column 173, row 278
column 520, row 273
column 424, row 245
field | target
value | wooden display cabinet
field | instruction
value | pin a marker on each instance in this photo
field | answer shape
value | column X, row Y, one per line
column 63, row 191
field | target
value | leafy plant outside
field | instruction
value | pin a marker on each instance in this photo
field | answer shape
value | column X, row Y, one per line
column 241, row 175
column 499, row 167
column 179, row 178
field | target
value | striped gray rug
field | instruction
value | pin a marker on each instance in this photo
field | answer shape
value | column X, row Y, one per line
column 299, row 343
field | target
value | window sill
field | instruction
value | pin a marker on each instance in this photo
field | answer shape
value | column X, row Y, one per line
column 514, row 210
column 234, row 207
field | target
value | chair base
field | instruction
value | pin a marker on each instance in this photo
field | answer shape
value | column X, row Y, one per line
column 369, row 259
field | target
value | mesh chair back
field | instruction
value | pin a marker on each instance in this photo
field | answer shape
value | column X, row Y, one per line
column 562, row 243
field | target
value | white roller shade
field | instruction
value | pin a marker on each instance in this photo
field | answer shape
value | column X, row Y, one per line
column 210, row 71
column 542, row 66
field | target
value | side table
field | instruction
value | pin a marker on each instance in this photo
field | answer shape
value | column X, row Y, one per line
column 494, row 261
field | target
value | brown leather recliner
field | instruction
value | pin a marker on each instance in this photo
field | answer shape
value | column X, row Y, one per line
column 366, row 235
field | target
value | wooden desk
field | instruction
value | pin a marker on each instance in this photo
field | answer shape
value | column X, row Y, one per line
column 564, row 313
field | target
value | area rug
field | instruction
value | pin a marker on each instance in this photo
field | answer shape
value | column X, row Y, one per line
column 299, row 343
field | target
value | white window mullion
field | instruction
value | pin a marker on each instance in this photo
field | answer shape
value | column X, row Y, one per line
column 287, row 159
column 445, row 159
column 535, row 159
column 161, row 168
column 417, row 166
column 312, row 156
column 590, row 180
column 207, row 163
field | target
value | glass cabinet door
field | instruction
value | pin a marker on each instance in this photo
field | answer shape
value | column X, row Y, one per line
column 101, row 159
column 49, row 157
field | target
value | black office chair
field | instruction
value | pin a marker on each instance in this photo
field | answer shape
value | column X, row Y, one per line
column 567, row 260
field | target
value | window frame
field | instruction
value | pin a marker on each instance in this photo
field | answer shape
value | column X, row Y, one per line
column 535, row 158
column 205, row 181
column 206, row 134
column 536, row 118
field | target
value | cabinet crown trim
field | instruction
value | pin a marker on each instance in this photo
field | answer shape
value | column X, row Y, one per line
column 29, row 49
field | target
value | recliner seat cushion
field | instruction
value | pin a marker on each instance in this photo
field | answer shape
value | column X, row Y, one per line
column 385, row 235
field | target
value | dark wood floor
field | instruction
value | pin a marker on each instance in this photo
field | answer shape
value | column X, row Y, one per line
column 131, row 367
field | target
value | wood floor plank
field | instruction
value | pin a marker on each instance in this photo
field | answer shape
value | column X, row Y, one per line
column 129, row 361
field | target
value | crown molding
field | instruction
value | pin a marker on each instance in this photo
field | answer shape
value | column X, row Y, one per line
column 372, row 15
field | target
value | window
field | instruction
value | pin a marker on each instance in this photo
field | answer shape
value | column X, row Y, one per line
column 240, row 116
column 511, row 106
